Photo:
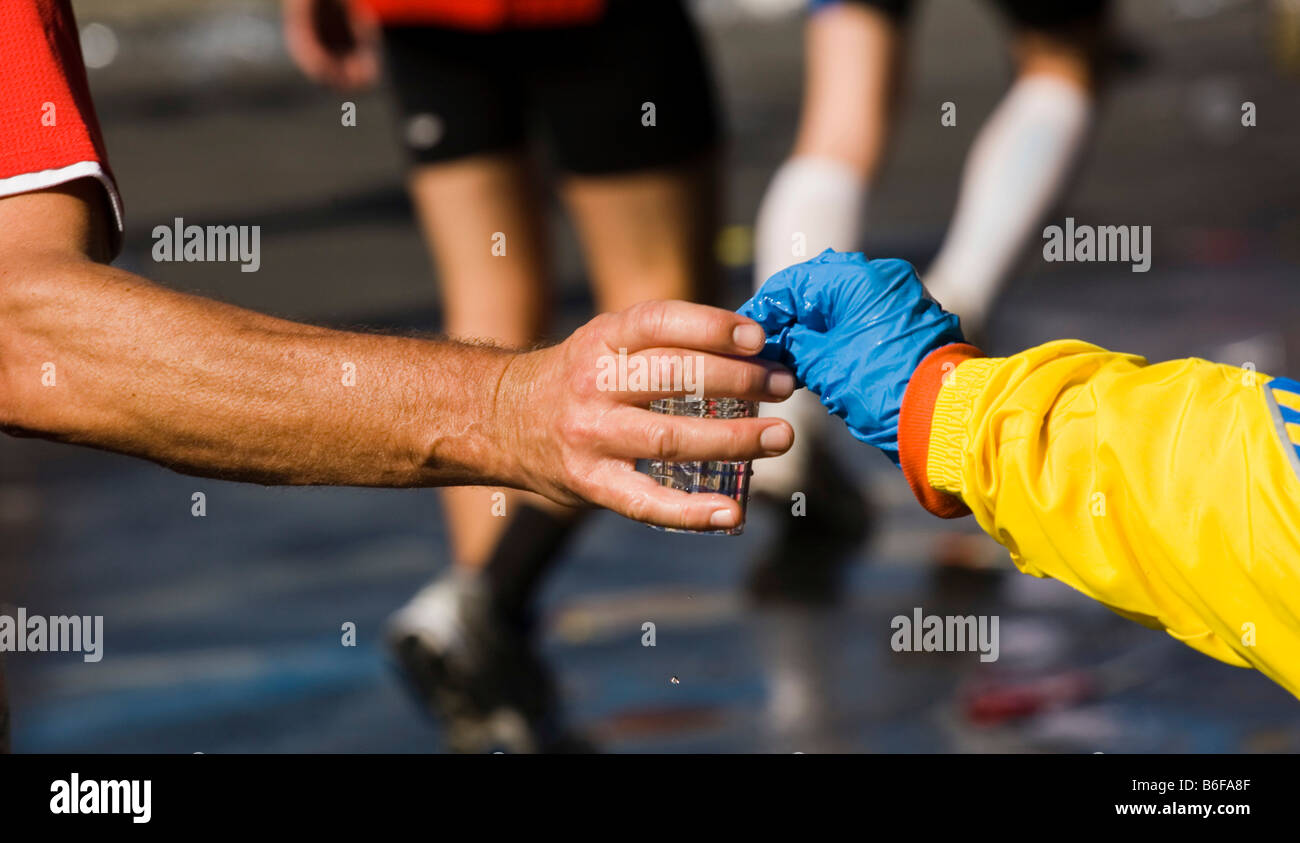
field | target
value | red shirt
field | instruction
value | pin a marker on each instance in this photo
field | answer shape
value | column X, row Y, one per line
column 488, row 14
column 49, row 134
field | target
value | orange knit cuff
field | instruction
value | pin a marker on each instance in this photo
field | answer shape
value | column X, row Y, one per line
column 914, row 426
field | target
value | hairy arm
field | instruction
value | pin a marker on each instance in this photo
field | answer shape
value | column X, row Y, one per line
column 93, row 355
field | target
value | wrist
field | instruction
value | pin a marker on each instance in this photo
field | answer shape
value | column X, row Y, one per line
column 462, row 423
column 916, row 425
column 510, row 411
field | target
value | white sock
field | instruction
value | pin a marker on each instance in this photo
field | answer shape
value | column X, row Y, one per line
column 811, row 204
column 1016, row 169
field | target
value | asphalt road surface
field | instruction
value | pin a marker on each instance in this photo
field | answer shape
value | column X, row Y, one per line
column 222, row 633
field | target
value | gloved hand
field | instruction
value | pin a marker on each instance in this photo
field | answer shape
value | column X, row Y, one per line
column 853, row 331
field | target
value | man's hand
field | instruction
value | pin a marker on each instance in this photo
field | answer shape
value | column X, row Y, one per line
column 853, row 330
column 576, row 440
column 334, row 42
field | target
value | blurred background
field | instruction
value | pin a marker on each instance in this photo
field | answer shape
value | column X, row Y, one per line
column 222, row 633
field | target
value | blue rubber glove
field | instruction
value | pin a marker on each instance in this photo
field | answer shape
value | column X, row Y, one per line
column 853, row 331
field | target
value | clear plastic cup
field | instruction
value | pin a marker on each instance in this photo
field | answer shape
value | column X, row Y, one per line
column 712, row 477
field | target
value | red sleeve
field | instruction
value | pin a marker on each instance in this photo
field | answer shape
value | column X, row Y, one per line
column 49, row 134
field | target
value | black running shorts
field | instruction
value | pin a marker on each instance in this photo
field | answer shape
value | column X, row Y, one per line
column 629, row 92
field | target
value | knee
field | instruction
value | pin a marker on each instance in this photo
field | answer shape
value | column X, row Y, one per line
column 1075, row 56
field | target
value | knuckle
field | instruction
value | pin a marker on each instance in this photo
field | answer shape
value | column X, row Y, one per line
column 577, row 487
column 649, row 318
column 737, row 443
column 718, row 324
column 745, row 442
column 638, row 507
column 666, row 370
column 664, row 441
column 728, row 377
column 575, row 431
column 594, row 331
column 580, row 381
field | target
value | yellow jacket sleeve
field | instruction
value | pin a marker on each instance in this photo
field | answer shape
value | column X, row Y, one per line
column 1168, row 492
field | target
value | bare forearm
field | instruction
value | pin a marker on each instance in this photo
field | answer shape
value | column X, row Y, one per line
column 97, row 356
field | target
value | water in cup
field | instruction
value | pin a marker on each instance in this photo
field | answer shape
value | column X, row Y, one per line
column 708, row 476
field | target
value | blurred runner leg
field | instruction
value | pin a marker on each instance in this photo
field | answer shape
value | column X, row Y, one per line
column 501, row 298
column 643, row 197
column 1023, row 157
column 1017, row 169
column 818, row 199
column 648, row 235
column 630, row 111
column 464, row 642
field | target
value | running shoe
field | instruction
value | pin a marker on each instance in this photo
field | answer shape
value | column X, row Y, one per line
column 479, row 676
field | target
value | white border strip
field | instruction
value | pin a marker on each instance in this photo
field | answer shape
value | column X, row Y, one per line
column 41, row 179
